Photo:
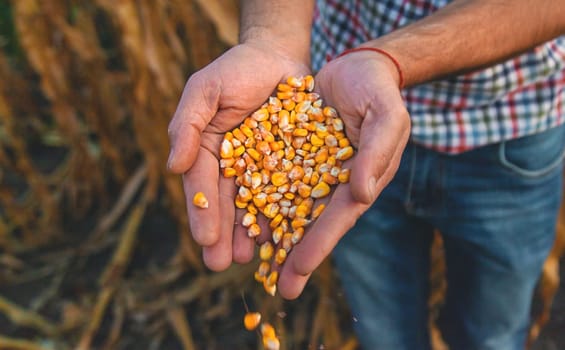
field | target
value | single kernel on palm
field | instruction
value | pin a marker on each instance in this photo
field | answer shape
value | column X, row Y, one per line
column 318, row 211
column 200, row 200
column 322, row 189
column 251, row 320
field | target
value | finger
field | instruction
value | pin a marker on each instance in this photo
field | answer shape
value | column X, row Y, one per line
column 197, row 106
column 382, row 137
column 220, row 255
column 243, row 246
column 203, row 177
column 339, row 216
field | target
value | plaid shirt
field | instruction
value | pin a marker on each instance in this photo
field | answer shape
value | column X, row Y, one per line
column 521, row 96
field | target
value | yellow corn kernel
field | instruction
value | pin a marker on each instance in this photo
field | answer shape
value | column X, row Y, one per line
column 226, row 149
column 329, row 178
column 318, row 211
column 344, row 153
column 266, row 251
column 274, row 105
column 285, row 95
column 271, row 210
column 297, row 235
column 270, row 162
column 330, row 112
column 272, row 278
column 200, row 200
column 248, row 219
column 253, row 231
column 321, row 156
column 315, row 178
column 288, row 104
column 260, row 200
column 304, row 190
column 274, row 197
column 286, row 243
column 343, row 176
column 275, row 146
column 321, row 190
column 337, row 124
column 316, row 140
column 276, row 221
column 239, row 135
column 277, row 235
column 344, row 142
column 251, row 320
column 260, row 115
column 269, row 189
column 289, row 195
column 229, row 172
column 262, row 271
column 253, row 153
column 300, row 132
column 251, row 208
column 258, row 277
column 256, row 180
column 226, row 163
column 295, row 82
column 296, row 173
column 228, row 136
column 240, row 166
column 289, row 153
column 245, row 194
column 250, row 123
column 279, row 178
column 271, row 289
column 240, row 203
column 331, row 140
column 280, row 257
column 339, row 135
column 299, row 222
column 271, row 343
column 239, row 151
column 302, row 210
column 298, row 97
column 309, row 83
column 331, row 160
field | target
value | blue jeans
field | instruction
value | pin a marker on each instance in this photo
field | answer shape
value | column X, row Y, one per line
column 496, row 208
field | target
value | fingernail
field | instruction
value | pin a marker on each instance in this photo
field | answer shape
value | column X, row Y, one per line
column 372, row 188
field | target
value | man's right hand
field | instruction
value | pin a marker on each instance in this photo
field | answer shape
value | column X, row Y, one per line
column 215, row 100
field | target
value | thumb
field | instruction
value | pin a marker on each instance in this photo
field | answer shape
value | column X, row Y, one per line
column 198, row 104
column 381, row 143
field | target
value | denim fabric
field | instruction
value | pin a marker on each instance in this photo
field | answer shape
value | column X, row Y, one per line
column 496, row 207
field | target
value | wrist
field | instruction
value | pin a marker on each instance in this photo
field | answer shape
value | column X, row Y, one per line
column 292, row 47
column 390, row 61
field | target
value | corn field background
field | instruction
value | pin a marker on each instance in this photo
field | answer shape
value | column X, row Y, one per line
column 94, row 247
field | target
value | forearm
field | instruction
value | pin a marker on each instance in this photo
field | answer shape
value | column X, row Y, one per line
column 284, row 24
column 471, row 34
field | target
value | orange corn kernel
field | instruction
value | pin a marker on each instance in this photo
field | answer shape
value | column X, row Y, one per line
column 200, row 200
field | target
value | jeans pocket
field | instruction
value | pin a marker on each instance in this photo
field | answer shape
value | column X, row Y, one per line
column 536, row 155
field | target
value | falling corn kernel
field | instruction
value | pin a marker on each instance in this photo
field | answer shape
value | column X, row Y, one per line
column 200, row 200
column 251, row 320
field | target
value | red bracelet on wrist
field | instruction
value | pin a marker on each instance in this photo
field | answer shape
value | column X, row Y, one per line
column 382, row 52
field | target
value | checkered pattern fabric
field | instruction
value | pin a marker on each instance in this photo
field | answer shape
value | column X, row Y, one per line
column 519, row 97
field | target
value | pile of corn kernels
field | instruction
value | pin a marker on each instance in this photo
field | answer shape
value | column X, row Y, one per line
column 284, row 156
